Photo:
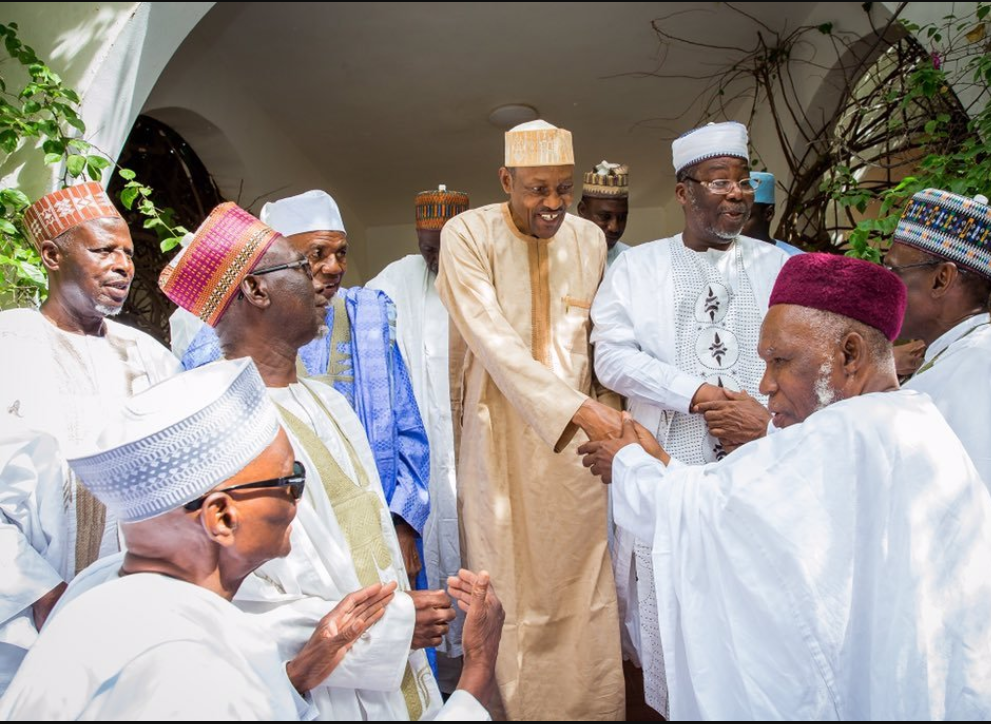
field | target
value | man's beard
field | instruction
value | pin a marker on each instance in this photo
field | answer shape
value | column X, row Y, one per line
column 825, row 394
column 109, row 311
column 322, row 331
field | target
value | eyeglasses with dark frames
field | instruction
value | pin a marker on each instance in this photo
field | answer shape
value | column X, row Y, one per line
column 722, row 186
column 295, row 482
column 898, row 269
column 303, row 264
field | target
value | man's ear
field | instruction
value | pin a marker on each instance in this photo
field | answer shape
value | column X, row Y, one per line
column 506, row 179
column 255, row 291
column 220, row 518
column 769, row 213
column 51, row 254
column 854, row 348
column 582, row 208
column 943, row 278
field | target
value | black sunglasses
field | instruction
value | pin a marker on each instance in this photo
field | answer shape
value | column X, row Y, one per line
column 295, row 482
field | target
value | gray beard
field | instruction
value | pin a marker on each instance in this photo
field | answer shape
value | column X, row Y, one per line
column 322, row 331
column 825, row 395
column 108, row 311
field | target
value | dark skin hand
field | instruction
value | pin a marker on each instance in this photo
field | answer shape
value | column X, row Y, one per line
column 908, row 357
column 599, row 454
column 407, row 546
column 597, row 420
column 434, row 614
column 44, row 605
column 336, row 633
column 482, row 631
column 735, row 420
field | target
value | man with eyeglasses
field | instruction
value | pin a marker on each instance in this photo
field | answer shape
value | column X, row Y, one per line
column 260, row 294
column 517, row 280
column 676, row 323
column 942, row 251
column 202, row 478
column 358, row 357
column 63, row 368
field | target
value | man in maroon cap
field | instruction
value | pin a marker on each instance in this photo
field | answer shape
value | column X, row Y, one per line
column 836, row 569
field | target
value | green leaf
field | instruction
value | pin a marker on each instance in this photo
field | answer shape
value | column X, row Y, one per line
column 152, row 223
column 79, row 144
column 8, row 228
column 77, row 123
column 170, row 243
column 8, row 140
column 53, row 145
column 126, row 173
column 71, row 95
column 51, row 158
column 75, row 164
column 31, row 107
column 15, row 197
column 127, row 197
column 99, row 162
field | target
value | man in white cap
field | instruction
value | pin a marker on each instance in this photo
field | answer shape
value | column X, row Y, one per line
column 942, row 251
column 517, row 280
column 267, row 303
column 203, row 481
column 606, row 203
column 422, row 333
column 359, row 359
column 675, row 332
column 62, row 370
column 837, row 569
column 758, row 226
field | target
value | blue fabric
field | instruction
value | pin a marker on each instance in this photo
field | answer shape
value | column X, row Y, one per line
column 380, row 392
column 787, row 248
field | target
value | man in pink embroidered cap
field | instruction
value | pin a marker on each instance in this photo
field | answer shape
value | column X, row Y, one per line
column 836, row 569
column 62, row 371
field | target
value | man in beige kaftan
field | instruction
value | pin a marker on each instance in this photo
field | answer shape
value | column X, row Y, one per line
column 518, row 280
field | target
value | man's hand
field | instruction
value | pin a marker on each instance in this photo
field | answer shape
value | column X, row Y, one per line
column 736, row 420
column 482, row 631
column 708, row 393
column 407, row 546
column 336, row 633
column 44, row 605
column 434, row 614
column 597, row 421
column 908, row 357
column 599, row 454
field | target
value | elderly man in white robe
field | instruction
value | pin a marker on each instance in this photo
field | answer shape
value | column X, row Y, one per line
column 838, row 568
column 258, row 291
column 203, row 480
column 675, row 326
column 942, row 251
column 422, row 334
column 62, row 369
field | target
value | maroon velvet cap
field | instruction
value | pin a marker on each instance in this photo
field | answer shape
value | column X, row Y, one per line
column 855, row 288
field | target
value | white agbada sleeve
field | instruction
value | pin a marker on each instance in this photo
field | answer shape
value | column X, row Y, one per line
column 620, row 362
column 837, row 569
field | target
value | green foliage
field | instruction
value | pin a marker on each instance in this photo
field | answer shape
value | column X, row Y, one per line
column 955, row 161
column 44, row 112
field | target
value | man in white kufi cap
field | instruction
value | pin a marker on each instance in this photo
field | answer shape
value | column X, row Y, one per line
column 676, row 324
column 359, row 358
column 518, row 280
column 203, row 481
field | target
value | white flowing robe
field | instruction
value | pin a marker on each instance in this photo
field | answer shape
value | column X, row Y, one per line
column 422, row 333
column 956, row 374
column 635, row 334
column 837, row 569
column 290, row 595
column 65, row 386
column 150, row 647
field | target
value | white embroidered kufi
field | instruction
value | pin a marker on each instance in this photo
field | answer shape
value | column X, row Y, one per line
column 310, row 211
column 179, row 439
column 538, row 143
column 710, row 141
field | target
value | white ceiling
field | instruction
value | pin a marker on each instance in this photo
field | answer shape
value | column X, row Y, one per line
column 391, row 98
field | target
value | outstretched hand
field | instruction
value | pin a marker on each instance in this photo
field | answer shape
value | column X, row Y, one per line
column 599, row 454
column 336, row 633
column 482, row 632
